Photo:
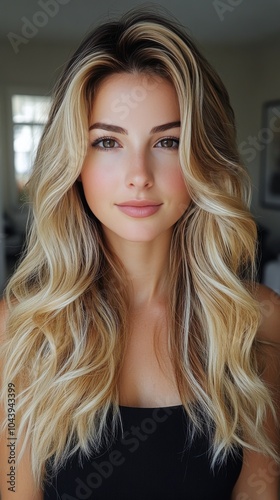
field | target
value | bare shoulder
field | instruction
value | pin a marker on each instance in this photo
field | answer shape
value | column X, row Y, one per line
column 4, row 313
column 259, row 477
column 269, row 329
column 16, row 482
column 268, row 335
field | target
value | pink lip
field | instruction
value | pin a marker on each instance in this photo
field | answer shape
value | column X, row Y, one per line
column 139, row 203
column 139, row 208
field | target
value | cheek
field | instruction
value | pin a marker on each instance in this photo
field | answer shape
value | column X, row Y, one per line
column 96, row 184
column 178, row 190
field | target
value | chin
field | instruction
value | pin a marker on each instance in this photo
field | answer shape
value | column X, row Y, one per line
column 135, row 236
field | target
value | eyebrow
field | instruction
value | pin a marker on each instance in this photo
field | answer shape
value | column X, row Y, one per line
column 120, row 130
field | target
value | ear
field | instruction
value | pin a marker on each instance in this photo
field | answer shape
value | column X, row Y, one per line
column 79, row 179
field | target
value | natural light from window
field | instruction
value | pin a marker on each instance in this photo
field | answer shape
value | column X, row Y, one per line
column 29, row 117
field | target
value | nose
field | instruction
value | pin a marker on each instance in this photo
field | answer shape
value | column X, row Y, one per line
column 139, row 171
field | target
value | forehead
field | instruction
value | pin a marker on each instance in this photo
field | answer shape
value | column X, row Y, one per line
column 125, row 93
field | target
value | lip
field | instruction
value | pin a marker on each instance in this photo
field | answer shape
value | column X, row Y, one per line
column 139, row 203
column 139, row 208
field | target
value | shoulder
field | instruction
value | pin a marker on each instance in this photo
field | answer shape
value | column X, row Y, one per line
column 25, row 488
column 260, row 473
column 268, row 339
column 3, row 315
column 269, row 328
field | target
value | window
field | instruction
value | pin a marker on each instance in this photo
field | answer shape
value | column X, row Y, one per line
column 29, row 116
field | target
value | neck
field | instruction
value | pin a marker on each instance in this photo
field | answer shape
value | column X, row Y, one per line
column 146, row 265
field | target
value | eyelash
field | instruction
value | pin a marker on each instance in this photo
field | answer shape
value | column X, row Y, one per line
column 174, row 139
column 96, row 143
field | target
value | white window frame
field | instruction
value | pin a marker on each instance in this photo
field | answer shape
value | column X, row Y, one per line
column 10, row 171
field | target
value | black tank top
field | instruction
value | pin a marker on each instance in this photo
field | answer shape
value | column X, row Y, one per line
column 151, row 459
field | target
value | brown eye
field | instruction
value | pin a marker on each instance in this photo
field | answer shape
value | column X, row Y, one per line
column 168, row 143
column 108, row 143
column 105, row 143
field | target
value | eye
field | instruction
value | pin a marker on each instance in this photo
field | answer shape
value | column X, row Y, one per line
column 105, row 143
column 168, row 143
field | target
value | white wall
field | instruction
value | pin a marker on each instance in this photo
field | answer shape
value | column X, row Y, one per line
column 2, row 241
column 2, row 256
column 2, row 252
column 252, row 77
column 35, row 68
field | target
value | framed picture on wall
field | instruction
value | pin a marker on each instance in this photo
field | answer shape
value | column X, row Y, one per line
column 270, row 155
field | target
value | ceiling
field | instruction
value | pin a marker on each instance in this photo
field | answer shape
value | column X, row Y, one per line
column 208, row 21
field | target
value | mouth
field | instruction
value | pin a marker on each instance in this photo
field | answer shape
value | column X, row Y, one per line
column 139, row 203
column 139, row 208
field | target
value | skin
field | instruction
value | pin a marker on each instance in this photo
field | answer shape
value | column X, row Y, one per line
column 141, row 170
column 137, row 168
column 139, row 164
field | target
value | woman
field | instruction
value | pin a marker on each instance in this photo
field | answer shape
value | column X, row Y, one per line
column 135, row 344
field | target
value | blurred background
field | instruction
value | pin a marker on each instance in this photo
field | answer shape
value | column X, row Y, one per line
column 241, row 38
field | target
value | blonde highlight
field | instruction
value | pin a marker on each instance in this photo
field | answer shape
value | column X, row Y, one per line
column 68, row 324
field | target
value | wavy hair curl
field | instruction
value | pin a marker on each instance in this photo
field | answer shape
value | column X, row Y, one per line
column 68, row 325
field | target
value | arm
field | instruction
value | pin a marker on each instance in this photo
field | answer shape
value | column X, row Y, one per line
column 259, row 477
column 24, row 484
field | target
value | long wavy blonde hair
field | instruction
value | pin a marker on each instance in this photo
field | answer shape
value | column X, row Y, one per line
column 68, row 299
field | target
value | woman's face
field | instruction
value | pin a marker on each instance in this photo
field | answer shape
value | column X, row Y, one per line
column 131, row 175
